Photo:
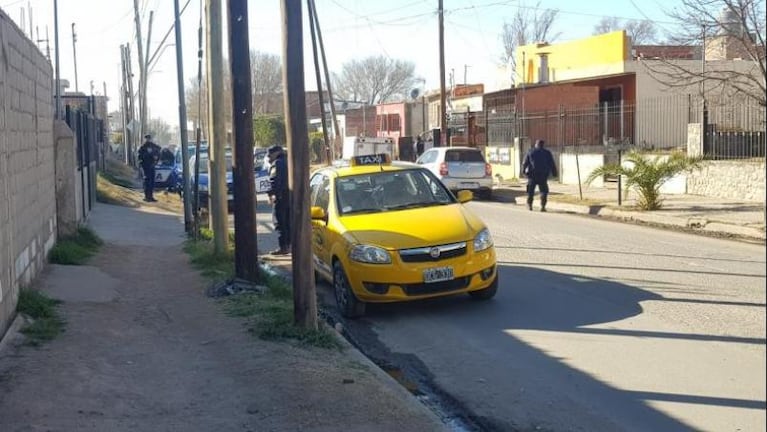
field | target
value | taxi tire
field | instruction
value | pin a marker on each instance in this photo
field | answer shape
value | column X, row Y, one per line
column 346, row 301
column 487, row 293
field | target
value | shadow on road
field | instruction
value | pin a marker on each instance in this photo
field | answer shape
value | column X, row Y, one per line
column 481, row 335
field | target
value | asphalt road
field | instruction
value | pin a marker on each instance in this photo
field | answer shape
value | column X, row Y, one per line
column 597, row 326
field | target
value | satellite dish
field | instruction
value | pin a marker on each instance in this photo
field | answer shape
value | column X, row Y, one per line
column 415, row 93
column 344, row 106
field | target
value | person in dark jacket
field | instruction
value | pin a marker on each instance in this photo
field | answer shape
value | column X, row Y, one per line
column 538, row 166
column 148, row 155
column 279, row 197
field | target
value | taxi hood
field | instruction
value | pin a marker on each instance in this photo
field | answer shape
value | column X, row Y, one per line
column 410, row 228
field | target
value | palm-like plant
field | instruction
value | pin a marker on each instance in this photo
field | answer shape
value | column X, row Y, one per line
column 647, row 174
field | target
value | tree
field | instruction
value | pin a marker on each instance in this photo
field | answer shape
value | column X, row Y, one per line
column 268, row 130
column 729, row 29
column 647, row 174
column 266, row 79
column 375, row 79
column 640, row 31
column 528, row 25
column 160, row 130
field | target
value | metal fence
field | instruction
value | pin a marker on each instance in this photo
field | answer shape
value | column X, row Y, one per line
column 735, row 130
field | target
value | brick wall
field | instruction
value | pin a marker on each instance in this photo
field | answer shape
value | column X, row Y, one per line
column 27, row 188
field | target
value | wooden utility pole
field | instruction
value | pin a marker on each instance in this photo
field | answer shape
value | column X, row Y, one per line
column 219, row 217
column 245, row 251
column 318, row 76
column 442, row 95
column 338, row 139
column 182, row 121
column 304, row 294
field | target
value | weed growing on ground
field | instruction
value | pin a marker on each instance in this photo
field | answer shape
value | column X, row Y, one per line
column 46, row 323
column 75, row 249
column 270, row 314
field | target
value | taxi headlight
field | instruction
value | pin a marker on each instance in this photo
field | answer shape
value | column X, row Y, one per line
column 370, row 254
column 483, row 240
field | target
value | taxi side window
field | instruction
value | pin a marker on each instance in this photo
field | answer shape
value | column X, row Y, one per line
column 320, row 191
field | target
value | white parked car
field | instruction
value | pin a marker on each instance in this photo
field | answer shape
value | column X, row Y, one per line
column 460, row 168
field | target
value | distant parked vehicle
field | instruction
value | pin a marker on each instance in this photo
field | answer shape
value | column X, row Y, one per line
column 460, row 168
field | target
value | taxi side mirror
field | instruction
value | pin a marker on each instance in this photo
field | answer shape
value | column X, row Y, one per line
column 465, row 196
column 318, row 213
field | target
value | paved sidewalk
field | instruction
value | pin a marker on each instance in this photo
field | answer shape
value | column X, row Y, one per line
column 713, row 216
column 145, row 350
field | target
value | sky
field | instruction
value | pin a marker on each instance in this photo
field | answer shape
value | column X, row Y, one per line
column 352, row 29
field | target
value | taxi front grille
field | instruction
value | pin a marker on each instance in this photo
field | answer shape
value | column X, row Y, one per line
column 436, row 287
column 426, row 254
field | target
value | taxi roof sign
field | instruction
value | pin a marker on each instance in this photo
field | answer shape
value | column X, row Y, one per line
column 376, row 159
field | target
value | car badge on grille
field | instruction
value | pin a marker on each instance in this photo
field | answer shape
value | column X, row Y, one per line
column 434, row 252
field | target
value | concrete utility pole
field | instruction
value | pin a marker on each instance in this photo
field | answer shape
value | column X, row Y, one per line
column 145, row 80
column 56, row 46
column 337, row 139
column 318, row 76
column 304, row 292
column 124, row 105
column 182, row 121
column 442, row 95
column 134, row 134
column 219, row 217
column 245, row 251
column 141, row 72
column 74, row 55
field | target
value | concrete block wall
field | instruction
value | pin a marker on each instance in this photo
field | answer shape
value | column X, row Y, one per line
column 27, row 188
column 736, row 180
column 587, row 162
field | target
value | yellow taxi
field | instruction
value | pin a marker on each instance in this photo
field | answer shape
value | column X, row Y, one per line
column 387, row 231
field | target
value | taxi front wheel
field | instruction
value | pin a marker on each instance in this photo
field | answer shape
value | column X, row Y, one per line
column 348, row 303
column 487, row 293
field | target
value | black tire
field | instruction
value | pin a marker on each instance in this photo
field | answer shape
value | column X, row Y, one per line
column 487, row 293
column 348, row 303
column 487, row 194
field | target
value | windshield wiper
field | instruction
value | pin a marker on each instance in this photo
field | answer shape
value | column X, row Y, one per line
column 363, row 211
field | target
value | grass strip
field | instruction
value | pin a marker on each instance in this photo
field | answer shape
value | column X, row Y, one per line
column 46, row 323
column 268, row 315
column 75, row 249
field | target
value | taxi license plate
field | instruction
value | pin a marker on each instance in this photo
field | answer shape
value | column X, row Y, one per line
column 438, row 274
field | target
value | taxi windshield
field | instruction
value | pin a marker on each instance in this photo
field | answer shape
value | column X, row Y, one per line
column 390, row 190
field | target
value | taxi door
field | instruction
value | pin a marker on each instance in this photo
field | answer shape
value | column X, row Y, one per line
column 319, row 187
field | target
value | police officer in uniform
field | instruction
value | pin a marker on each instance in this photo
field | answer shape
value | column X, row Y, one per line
column 279, row 197
column 148, row 155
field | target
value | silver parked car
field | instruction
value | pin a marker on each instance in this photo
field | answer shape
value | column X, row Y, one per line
column 460, row 168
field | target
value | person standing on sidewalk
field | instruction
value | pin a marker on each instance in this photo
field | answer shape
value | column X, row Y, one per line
column 279, row 197
column 148, row 155
column 537, row 167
